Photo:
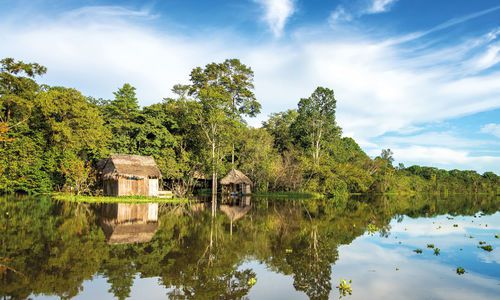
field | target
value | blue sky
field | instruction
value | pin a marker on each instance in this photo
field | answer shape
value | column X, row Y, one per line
column 419, row 77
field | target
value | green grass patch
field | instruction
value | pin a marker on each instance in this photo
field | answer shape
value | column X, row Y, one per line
column 110, row 199
column 289, row 195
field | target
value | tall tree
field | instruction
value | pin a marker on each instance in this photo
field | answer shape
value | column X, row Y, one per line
column 17, row 91
column 316, row 120
column 123, row 116
column 224, row 91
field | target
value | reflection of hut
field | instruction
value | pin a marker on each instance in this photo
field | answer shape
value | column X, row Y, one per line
column 235, row 212
column 129, row 223
column 130, row 175
column 235, row 182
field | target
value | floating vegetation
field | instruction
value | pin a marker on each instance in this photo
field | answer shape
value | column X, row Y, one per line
column 497, row 236
column 430, row 246
column 397, row 269
column 437, row 251
column 460, row 271
column 455, row 225
column 372, row 229
column 345, row 288
column 252, row 281
column 471, row 237
column 488, row 248
column 482, row 242
column 418, row 251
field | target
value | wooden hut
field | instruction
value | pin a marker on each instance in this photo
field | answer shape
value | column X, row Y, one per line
column 130, row 175
column 235, row 182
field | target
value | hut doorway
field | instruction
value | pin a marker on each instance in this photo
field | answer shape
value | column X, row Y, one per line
column 153, row 187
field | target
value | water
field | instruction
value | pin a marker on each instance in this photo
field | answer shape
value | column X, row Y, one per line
column 252, row 248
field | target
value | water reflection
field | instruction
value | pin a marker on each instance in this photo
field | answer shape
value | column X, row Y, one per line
column 242, row 247
column 128, row 223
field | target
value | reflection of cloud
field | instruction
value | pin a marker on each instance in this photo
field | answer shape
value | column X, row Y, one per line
column 490, row 257
column 373, row 272
column 428, row 227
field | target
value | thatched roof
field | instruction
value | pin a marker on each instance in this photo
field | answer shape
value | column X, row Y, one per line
column 236, row 177
column 130, row 166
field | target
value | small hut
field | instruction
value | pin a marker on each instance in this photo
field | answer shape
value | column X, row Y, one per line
column 235, row 182
column 130, row 175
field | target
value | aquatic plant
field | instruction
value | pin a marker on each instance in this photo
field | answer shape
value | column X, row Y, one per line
column 252, row 281
column 488, row 248
column 497, row 236
column 430, row 246
column 437, row 251
column 345, row 288
column 460, row 271
column 482, row 242
column 455, row 225
column 418, row 251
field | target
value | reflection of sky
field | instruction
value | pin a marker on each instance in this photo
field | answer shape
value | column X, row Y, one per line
column 370, row 261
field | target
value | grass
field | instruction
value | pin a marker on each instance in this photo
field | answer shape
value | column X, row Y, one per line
column 109, row 199
column 289, row 195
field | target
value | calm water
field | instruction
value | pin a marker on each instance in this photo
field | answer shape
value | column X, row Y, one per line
column 251, row 248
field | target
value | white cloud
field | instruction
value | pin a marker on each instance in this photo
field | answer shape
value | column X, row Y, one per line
column 277, row 13
column 340, row 14
column 357, row 9
column 380, row 86
column 443, row 157
column 491, row 128
column 380, row 6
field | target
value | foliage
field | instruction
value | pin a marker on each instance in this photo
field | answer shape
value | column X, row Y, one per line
column 51, row 138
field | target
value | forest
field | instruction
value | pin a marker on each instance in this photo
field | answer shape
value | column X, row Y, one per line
column 51, row 137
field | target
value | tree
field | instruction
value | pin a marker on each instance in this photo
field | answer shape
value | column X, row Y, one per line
column 124, row 118
column 387, row 155
column 224, row 91
column 16, row 93
column 279, row 125
column 316, row 120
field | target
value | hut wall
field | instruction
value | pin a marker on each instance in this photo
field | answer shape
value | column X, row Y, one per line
column 110, row 187
column 247, row 189
column 133, row 187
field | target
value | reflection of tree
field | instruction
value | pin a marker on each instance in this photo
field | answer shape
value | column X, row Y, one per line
column 44, row 241
column 57, row 246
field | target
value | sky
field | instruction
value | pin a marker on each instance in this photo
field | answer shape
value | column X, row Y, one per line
column 419, row 77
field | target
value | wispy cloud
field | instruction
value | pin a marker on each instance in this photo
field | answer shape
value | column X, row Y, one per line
column 491, row 128
column 380, row 6
column 277, row 13
column 450, row 23
column 108, row 11
column 359, row 8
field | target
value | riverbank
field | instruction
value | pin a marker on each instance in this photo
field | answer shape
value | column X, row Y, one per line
column 110, row 199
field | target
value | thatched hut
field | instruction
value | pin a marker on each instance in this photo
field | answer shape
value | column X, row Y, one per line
column 130, row 175
column 128, row 223
column 235, row 182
